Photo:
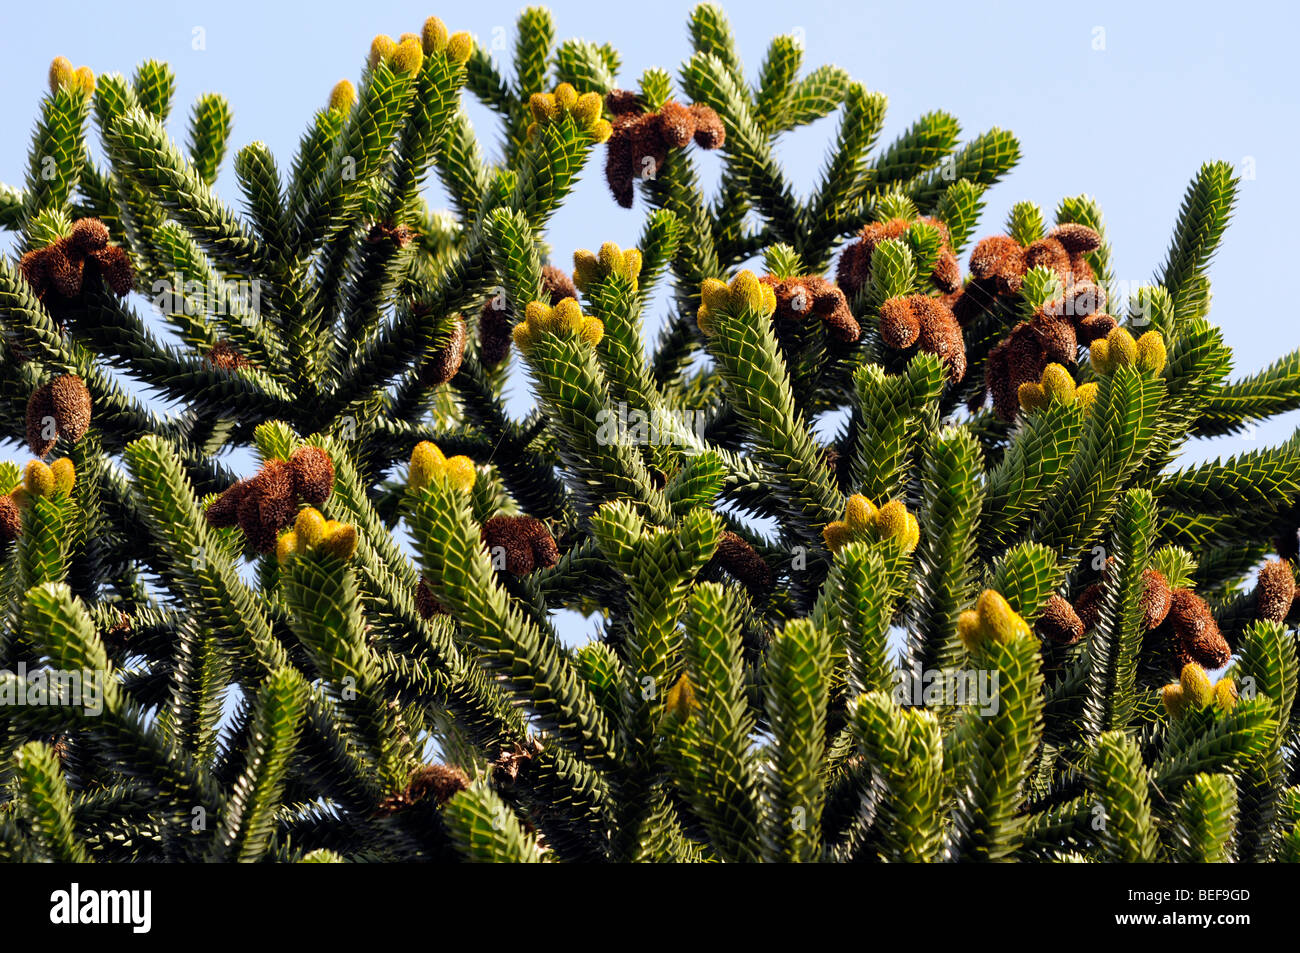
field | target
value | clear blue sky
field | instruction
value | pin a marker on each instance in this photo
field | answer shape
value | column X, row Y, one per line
column 1121, row 100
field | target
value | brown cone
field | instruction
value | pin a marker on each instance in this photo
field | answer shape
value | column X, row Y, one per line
column 493, row 334
column 444, row 364
column 71, row 403
column 557, row 284
column 526, row 543
column 1196, row 635
column 1155, row 598
column 267, row 505
column 11, row 520
column 743, row 563
column 312, row 474
column 1059, row 622
column 88, row 234
column 426, row 603
column 1274, row 591
column 928, row 323
column 223, row 512
column 41, row 421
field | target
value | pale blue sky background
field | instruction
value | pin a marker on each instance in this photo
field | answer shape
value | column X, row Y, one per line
column 1121, row 100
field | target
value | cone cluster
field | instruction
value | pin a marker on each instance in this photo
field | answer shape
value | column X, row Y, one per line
column 564, row 319
column 640, row 141
column 863, row 520
column 64, row 75
column 1193, row 691
column 992, row 620
column 267, row 502
column 428, row 463
column 854, row 268
column 313, row 533
column 1119, row 349
column 812, row 296
column 549, row 108
column 1055, row 386
column 745, row 291
column 589, row 268
column 58, row 409
column 525, row 541
column 929, row 324
column 62, row 267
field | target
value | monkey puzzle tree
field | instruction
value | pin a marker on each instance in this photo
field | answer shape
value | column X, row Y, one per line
column 975, row 625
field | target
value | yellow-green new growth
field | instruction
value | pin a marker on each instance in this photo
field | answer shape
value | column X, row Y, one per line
column 409, row 55
column 382, row 48
column 63, row 75
column 745, row 291
column 1118, row 349
column 434, row 35
column 680, row 700
column 428, row 463
column 1193, row 690
column 460, row 47
column 589, row 268
column 42, row 479
column 564, row 319
column 343, row 96
column 992, row 619
column 313, row 533
column 585, row 109
column 1058, row 386
column 864, row 521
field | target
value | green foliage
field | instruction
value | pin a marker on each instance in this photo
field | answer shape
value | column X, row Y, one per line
column 926, row 638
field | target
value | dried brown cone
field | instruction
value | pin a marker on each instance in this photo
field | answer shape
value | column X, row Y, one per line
column 526, row 543
column 854, row 268
column 676, row 124
column 114, row 267
column 999, row 260
column 1274, row 591
column 267, row 505
column 42, row 425
column 494, row 331
column 639, row 143
column 619, row 171
column 312, row 472
column 799, row 298
column 743, row 563
column 399, row 235
column 118, row 635
column 557, row 284
column 621, row 102
column 66, row 270
column 1155, row 599
column 11, row 520
column 440, row 782
column 224, row 356
column 1087, row 606
column 34, row 266
column 72, row 406
column 88, row 235
column 709, row 131
column 444, row 364
column 426, row 603
column 927, row 323
column 223, row 512
column 1022, row 356
column 507, row 765
column 1196, row 635
column 1059, row 622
